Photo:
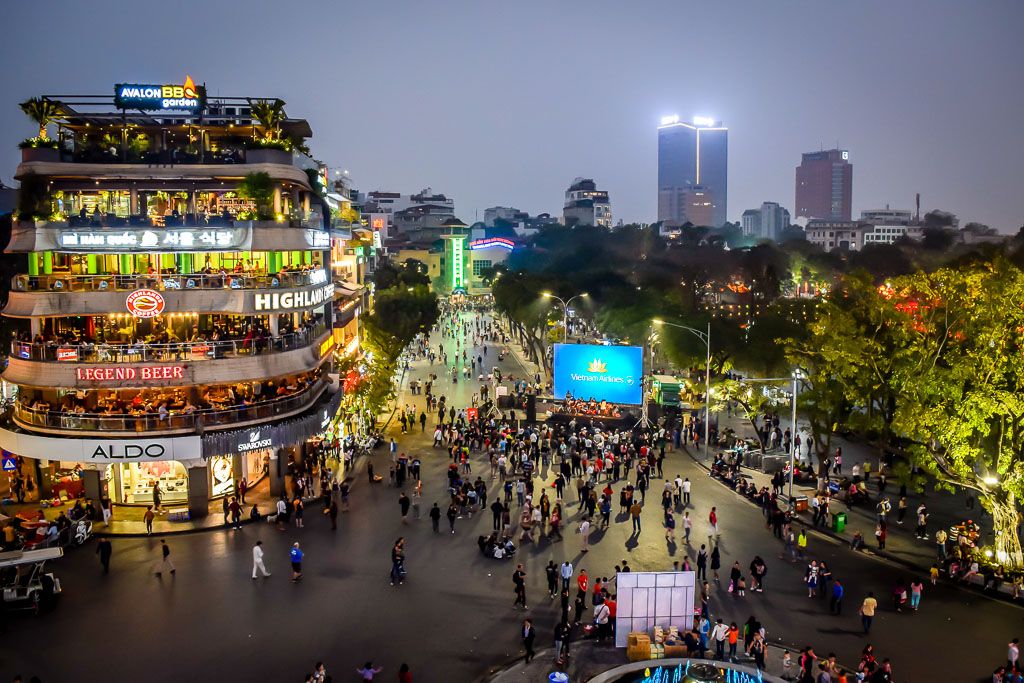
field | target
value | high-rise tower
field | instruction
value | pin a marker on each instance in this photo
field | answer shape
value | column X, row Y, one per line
column 692, row 155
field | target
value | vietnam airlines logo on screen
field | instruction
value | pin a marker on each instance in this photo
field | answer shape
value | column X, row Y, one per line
column 597, row 366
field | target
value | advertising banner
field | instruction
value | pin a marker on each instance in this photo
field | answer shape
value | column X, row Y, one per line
column 602, row 373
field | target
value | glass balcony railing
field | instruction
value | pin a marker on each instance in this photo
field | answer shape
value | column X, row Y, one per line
column 163, row 353
column 61, row 282
column 174, row 421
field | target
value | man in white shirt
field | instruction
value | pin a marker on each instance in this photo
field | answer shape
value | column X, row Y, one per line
column 585, row 534
column 719, row 634
column 257, row 560
column 566, row 573
column 686, row 491
column 602, row 613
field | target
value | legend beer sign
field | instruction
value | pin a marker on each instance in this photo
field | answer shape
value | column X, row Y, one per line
column 146, row 373
column 187, row 96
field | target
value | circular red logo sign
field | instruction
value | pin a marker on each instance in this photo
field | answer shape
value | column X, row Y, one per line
column 145, row 303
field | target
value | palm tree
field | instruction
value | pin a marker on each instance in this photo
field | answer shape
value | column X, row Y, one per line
column 42, row 111
column 270, row 114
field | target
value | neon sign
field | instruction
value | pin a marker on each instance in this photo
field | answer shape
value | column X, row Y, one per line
column 490, row 242
column 149, row 96
column 123, row 374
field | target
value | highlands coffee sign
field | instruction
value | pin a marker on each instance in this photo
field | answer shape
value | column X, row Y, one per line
column 290, row 300
column 187, row 96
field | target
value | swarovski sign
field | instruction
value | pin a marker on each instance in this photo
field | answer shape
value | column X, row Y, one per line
column 288, row 300
column 255, row 442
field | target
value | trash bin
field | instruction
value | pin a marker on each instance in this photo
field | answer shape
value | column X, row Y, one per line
column 799, row 503
column 839, row 522
column 558, row 677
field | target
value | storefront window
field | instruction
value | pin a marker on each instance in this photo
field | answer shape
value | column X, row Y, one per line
column 255, row 465
column 138, row 479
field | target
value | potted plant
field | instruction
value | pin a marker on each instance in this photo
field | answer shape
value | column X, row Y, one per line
column 42, row 111
column 268, row 148
column 259, row 187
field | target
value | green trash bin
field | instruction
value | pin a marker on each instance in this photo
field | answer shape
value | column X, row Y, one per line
column 839, row 522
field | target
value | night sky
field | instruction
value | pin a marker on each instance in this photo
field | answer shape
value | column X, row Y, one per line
column 504, row 103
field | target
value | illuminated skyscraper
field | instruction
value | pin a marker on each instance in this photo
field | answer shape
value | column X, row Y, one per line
column 694, row 154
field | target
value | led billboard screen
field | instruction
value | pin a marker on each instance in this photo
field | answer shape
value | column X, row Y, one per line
column 604, row 373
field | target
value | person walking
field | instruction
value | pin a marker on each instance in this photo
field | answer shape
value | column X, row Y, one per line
column 104, row 550
column 529, row 635
column 552, row 575
column 716, row 564
column 702, row 563
column 519, row 580
column 686, row 492
column 560, row 637
column 332, row 512
column 687, row 527
column 670, row 527
column 719, row 635
column 566, row 571
column 634, row 512
column 916, row 588
column 435, row 518
column 585, row 534
column 147, row 517
column 835, row 603
column 257, row 561
column 453, row 514
column 713, row 525
column 403, row 505
column 295, row 555
column 867, row 612
column 165, row 559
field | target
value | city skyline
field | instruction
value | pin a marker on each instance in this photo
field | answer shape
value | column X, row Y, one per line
column 904, row 92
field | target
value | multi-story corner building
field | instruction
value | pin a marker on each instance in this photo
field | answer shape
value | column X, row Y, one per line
column 586, row 205
column 843, row 235
column 693, row 159
column 766, row 223
column 824, row 186
column 177, row 300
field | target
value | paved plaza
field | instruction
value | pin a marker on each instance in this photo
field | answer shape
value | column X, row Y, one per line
column 453, row 619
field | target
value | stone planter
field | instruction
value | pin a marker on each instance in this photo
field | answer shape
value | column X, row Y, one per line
column 40, row 154
column 268, row 156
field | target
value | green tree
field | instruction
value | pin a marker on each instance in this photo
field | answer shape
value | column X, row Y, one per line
column 258, row 187
column 41, row 110
column 270, row 114
column 961, row 399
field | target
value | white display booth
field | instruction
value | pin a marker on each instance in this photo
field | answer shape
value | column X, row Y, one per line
column 649, row 599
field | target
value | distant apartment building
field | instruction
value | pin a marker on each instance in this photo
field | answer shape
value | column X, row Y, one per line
column 887, row 216
column 505, row 213
column 766, row 223
column 393, row 202
column 693, row 170
column 824, row 186
column 586, row 205
column 843, row 235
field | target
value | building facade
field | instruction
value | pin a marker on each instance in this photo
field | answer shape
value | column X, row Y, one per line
column 176, row 306
column 586, row 205
column 766, row 223
column 692, row 155
column 824, row 186
column 842, row 235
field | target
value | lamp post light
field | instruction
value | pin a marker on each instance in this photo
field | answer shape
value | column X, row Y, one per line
column 706, row 338
column 565, row 310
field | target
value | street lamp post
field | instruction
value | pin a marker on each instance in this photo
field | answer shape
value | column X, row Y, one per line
column 565, row 310
column 706, row 338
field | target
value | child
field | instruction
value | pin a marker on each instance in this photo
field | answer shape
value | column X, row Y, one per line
column 741, row 587
column 787, row 665
column 934, row 573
